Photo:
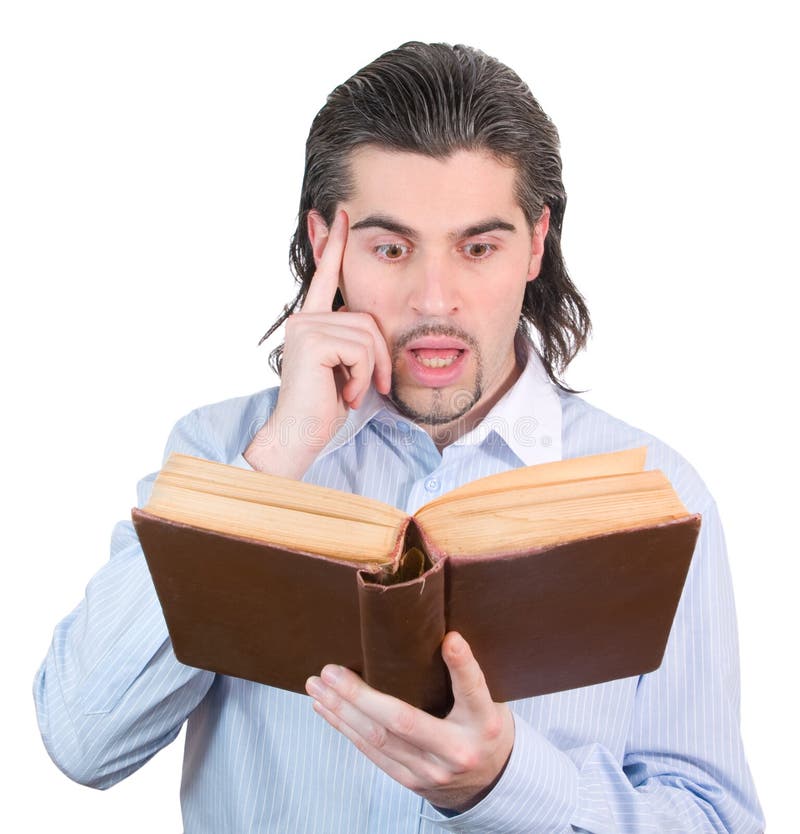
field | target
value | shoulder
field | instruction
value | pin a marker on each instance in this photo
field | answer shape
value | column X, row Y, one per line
column 588, row 430
column 222, row 430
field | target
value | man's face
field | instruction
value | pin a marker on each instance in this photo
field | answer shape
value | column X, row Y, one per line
column 439, row 253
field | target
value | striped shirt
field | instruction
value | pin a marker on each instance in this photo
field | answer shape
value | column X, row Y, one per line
column 659, row 753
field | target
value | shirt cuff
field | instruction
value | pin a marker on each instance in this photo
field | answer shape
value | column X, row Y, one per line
column 242, row 463
column 538, row 791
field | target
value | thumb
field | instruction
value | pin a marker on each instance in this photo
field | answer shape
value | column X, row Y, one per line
column 469, row 685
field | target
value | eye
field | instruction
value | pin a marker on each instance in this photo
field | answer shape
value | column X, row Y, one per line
column 479, row 251
column 391, row 251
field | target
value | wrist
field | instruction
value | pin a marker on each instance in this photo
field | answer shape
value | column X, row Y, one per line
column 279, row 449
column 472, row 801
column 501, row 757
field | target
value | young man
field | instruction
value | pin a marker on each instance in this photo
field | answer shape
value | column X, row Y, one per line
column 433, row 318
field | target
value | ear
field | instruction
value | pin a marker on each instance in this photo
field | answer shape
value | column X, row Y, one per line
column 537, row 243
column 317, row 233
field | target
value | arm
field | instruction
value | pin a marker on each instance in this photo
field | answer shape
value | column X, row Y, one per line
column 110, row 692
column 683, row 768
column 330, row 359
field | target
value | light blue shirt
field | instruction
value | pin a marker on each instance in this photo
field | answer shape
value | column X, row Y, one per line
column 660, row 753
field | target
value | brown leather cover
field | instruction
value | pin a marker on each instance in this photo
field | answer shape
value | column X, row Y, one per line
column 577, row 614
column 549, row 619
column 402, row 626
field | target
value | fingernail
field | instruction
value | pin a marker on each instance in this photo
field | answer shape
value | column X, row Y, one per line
column 313, row 687
column 331, row 674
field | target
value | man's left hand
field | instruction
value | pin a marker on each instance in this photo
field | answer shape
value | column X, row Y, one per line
column 453, row 762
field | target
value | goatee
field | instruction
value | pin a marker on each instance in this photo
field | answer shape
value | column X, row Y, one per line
column 440, row 409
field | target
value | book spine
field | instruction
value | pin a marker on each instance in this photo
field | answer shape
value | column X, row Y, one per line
column 402, row 627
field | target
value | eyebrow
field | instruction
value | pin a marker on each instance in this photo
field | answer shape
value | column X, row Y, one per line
column 383, row 221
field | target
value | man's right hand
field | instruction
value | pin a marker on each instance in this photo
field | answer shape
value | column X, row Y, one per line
column 329, row 361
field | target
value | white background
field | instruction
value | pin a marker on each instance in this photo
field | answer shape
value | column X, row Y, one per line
column 149, row 174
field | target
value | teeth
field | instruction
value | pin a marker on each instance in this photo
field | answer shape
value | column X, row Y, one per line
column 437, row 363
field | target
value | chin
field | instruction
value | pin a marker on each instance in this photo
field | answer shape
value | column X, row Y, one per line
column 435, row 406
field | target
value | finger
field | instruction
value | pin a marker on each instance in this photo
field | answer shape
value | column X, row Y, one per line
column 411, row 725
column 383, row 365
column 372, row 734
column 350, row 351
column 470, row 692
column 322, row 291
column 394, row 768
column 381, row 361
column 355, row 384
column 351, row 362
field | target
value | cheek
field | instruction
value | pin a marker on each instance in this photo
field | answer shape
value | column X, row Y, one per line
column 362, row 287
column 352, row 281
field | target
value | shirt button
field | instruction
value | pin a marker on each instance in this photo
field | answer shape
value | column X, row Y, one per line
column 432, row 484
column 403, row 428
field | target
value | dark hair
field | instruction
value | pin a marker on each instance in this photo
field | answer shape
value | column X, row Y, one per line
column 435, row 99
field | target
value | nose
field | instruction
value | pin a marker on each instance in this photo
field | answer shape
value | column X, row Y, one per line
column 435, row 287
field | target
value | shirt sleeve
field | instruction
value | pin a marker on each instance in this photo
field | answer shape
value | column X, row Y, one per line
column 683, row 768
column 110, row 692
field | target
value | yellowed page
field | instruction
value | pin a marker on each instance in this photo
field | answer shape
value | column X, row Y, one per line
column 553, row 513
column 327, row 535
column 245, row 485
column 560, row 471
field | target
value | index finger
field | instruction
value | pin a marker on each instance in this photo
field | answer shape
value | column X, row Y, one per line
column 355, row 702
column 322, row 291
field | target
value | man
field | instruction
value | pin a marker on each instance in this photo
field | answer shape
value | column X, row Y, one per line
column 433, row 319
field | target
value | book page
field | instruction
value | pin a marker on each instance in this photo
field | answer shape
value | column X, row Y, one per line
column 537, row 516
column 570, row 469
column 245, row 485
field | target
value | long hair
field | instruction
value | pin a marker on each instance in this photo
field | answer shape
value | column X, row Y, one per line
column 435, row 99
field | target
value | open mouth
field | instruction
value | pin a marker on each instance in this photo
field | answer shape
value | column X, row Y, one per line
column 436, row 358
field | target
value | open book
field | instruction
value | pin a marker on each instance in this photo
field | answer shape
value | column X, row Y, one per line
column 559, row 575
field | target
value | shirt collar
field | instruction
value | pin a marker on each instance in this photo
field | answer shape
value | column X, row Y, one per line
column 357, row 418
column 527, row 417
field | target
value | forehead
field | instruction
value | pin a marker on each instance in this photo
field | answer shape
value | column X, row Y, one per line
column 431, row 193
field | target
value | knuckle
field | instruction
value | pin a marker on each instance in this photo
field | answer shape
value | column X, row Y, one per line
column 359, row 349
column 403, row 721
column 360, row 336
column 349, row 691
column 366, row 360
column 465, row 758
column 367, row 324
column 377, row 736
column 494, row 727
column 297, row 327
column 439, row 777
column 313, row 344
column 332, row 701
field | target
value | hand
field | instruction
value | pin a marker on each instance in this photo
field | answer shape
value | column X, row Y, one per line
column 453, row 762
column 329, row 361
